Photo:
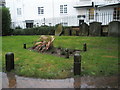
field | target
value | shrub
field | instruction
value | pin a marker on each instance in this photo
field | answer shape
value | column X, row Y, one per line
column 18, row 27
column 6, row 21
column 43, row 30
column 18, row 32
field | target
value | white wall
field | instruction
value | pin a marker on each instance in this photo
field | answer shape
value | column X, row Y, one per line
column 105, row 15
column 51, row 11
column 30, row 10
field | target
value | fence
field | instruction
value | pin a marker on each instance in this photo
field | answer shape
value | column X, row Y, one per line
column 104, row 18
column 66, row 21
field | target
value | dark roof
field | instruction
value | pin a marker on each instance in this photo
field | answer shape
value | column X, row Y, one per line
column 83, row 6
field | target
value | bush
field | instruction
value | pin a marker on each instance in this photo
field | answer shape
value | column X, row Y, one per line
column 6, row 21
column 18, row 32
column 18, row 27
column 43, row 30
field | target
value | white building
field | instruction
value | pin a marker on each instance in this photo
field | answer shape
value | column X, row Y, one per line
column 2, row 3
column 29, row 13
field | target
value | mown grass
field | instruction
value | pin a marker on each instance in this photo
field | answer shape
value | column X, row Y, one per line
column 100, row 59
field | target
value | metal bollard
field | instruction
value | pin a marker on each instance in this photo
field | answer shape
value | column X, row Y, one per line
column 24, row 46
column 77, row 64
column 70, row 32
column 77, row 33
column 66, row 53
column 85, row 47
column 9, row 61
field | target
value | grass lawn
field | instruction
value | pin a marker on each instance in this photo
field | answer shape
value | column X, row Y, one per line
column 100, row 59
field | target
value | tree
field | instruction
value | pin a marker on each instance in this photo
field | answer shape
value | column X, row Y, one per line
column 6, row 21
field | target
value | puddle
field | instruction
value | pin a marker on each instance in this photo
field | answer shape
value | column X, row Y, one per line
column 10, row 80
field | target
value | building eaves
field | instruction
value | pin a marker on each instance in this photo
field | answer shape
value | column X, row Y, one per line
column 98, row 5
column 109, row 5
column 82, row 6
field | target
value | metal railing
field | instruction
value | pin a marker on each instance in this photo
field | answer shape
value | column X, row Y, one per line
column 105, row 18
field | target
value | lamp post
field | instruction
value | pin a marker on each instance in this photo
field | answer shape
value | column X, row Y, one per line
column 95, row 7
column 96, row 14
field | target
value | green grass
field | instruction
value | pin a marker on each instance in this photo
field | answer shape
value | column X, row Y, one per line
column 100, row 59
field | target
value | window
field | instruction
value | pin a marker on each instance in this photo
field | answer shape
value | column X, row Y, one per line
column 2, row 4
column 116, row 14
column 64, row 23
column 29, row 23
column 18, row 11
column 63, row 8
column 40, row 10
column 91, row 13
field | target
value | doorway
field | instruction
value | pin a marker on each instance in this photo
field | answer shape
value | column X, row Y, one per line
column 29, row 25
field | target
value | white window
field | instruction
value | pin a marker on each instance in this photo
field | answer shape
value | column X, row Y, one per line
column 19, row 11
column 40, row 10
column 63, row 8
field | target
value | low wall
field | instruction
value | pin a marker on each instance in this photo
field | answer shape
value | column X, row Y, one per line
column 94, row 29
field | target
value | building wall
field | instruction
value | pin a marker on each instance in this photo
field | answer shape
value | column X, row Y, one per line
column 52, row 15
column 29, row 10
column 105, row 15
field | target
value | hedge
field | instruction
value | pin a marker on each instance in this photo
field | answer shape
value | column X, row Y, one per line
column 6, row 21
column 43, row 30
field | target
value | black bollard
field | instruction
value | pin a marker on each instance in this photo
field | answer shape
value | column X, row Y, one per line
column 66, row 53
column 24, row 46
column 9, row 61
column 85, row 47
column 77, row 33
column 70, row 32
column 77, row 64
column 62, row 51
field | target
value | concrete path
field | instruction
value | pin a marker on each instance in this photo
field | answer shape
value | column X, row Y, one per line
column 10, row 80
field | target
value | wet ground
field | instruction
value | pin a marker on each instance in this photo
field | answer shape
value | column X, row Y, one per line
column 10, row 80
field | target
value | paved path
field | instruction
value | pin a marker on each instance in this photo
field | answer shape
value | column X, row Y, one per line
column 10, row 80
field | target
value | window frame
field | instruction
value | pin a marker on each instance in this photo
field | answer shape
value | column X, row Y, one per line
column 19, row 11
column 40, row 10
column 116, row 13
column 63, row 9
column 91, row 13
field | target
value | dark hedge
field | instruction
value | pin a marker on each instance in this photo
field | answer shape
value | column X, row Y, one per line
column 6, row 21
column 43, row 30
